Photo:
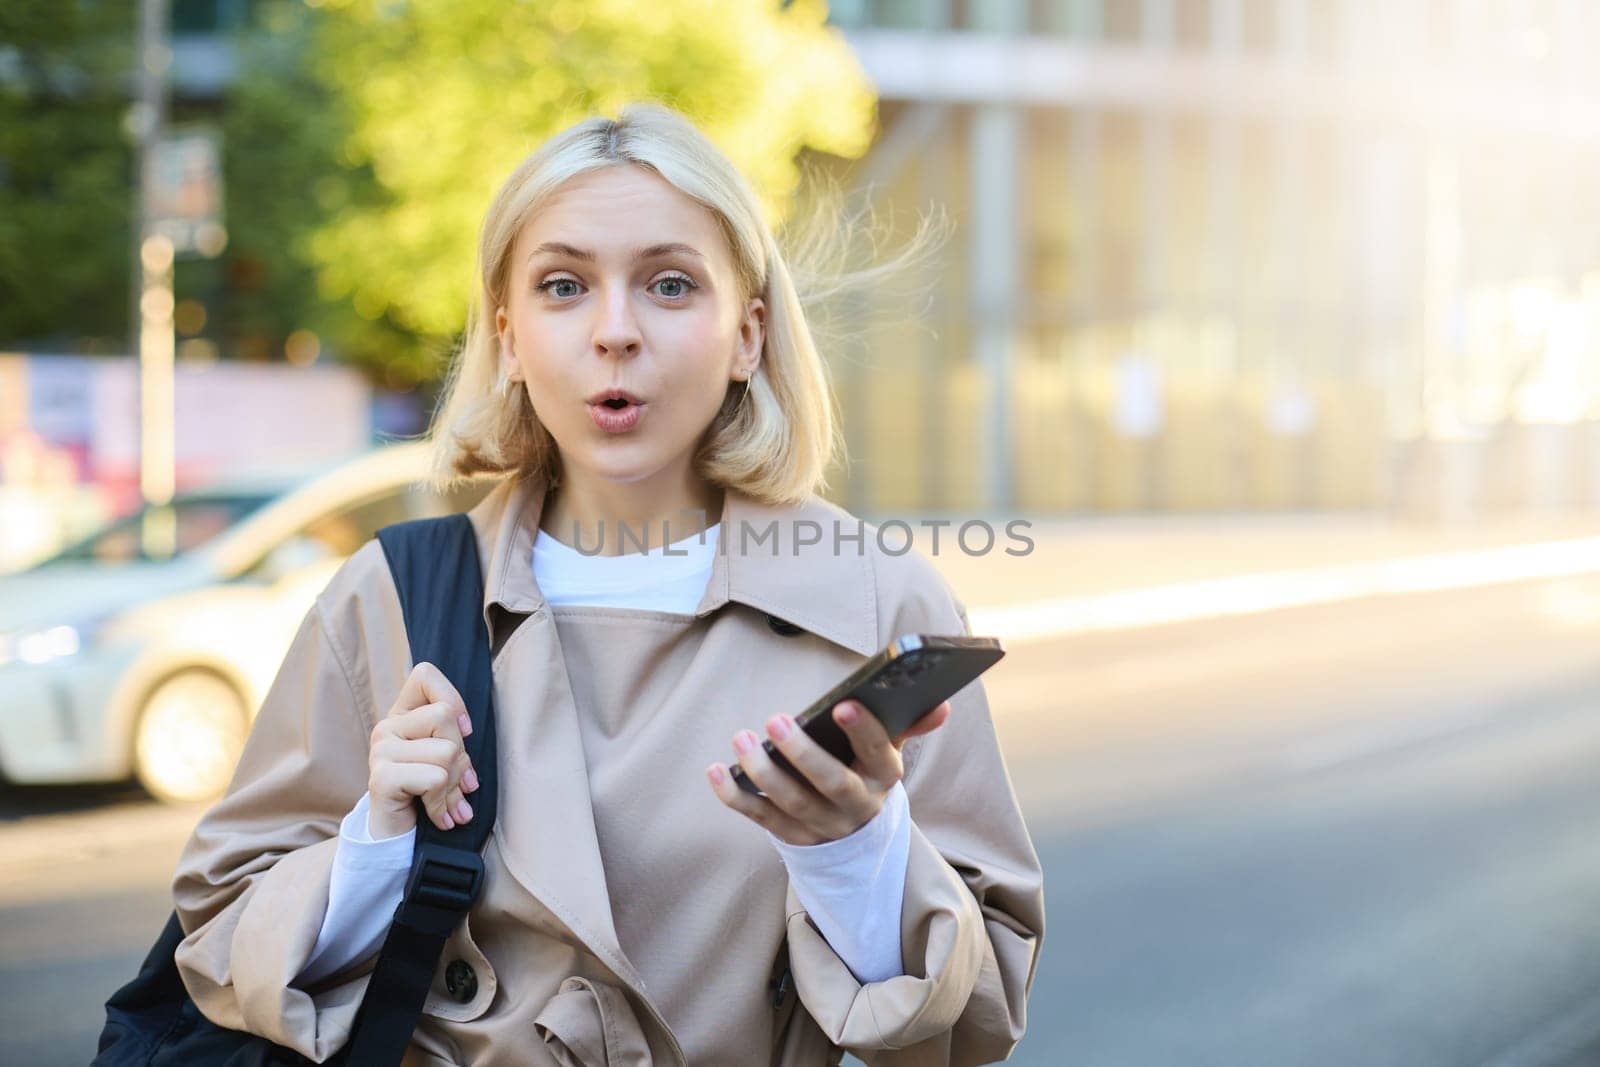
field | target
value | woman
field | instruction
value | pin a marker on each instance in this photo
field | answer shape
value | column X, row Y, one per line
column 631, row 914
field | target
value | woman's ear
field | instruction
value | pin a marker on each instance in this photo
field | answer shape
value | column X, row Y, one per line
column 752, row 338
column 508, row 359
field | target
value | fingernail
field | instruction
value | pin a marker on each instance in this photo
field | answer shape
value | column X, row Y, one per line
column 847, row 713
column 744, row 741
column 718, row 775
column 449, row 823
column 466, row 811
column 780, row 727
column 466, row 725
column 470, row 780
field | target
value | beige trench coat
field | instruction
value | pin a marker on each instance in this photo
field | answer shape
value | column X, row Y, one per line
column 554, row 985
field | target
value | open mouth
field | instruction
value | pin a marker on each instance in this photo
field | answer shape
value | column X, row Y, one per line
column 616, row 414
column 615, row 399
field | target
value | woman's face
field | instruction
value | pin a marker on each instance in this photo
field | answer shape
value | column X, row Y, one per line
column 622, row 282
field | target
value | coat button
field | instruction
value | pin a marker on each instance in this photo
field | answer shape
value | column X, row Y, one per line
column 779, row 626
column 460, row 981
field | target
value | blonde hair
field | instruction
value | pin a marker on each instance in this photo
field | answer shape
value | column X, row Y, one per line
column 775, row 444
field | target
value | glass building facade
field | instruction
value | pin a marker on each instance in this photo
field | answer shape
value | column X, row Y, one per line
column 1234, row 255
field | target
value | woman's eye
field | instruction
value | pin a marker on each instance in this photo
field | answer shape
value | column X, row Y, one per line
column 550, row 286
column 683, row 286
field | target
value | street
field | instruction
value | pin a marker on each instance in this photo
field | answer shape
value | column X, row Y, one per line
column 1351, row 835
column 1360, row 834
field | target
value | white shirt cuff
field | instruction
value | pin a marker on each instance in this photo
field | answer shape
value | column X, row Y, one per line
column 357, row 829
column 854, row 887
column 367, row 884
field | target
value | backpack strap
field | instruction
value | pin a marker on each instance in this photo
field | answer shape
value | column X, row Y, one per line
column 440, row 581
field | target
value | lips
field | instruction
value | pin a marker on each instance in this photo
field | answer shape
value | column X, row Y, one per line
column 616, row 410
column 616, row 399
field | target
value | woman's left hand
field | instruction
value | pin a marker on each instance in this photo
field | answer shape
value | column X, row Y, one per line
column 835, row 800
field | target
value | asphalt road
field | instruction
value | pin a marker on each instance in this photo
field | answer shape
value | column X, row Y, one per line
column 1355, row 835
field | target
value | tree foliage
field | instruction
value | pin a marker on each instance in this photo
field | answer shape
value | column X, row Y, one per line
column 362, row 141
column 66, row 169
column 369, row 135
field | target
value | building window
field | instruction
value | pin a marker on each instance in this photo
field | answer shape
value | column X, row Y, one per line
column 1123, row 20
column 1192, row 24
column 1259, row 28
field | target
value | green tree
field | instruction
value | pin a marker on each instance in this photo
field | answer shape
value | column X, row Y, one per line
column 66, row 169
column 283, row 129
column 365, row 150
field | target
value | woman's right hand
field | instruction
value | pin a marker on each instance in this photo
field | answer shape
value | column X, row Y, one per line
column 416, row 751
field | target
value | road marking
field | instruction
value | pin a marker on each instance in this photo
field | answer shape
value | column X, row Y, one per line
column 1252, row 594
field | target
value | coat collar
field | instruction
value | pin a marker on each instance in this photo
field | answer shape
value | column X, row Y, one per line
column 826, row 588
column 545, row 821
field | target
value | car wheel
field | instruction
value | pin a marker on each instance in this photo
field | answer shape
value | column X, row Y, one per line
column 189, row 736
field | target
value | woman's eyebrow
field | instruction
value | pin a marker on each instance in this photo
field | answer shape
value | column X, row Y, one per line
column 669, row 248
column 559, row 249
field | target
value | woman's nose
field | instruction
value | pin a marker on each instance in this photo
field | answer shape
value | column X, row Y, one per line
column 617, row 330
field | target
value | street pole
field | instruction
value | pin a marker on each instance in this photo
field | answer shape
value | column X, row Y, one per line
column 153, row 305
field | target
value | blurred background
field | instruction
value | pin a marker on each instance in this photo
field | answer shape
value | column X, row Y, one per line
column 1278, row 319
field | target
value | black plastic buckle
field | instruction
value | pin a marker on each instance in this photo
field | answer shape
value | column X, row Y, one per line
column 444, row 884
column 781, row 984
column 782, row 626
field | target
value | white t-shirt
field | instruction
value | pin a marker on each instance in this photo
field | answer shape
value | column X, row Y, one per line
column 852, row 887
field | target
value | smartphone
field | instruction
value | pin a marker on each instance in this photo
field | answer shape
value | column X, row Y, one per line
column 914, row 675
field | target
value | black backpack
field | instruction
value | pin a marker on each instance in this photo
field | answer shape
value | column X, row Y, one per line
column 152, row 1022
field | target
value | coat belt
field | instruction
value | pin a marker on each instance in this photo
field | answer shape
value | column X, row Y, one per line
column 591, row 1024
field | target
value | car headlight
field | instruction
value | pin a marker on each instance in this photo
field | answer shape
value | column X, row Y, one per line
column 47, row 644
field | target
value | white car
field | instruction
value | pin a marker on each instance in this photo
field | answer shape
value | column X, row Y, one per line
column 145, row 649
